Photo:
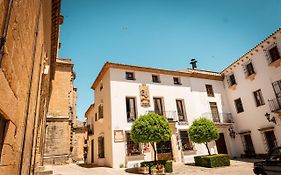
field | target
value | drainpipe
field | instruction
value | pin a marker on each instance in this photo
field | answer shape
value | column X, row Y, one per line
column 5, row 30
column 29, row 92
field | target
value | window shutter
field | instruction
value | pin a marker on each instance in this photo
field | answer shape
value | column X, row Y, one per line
column 267, row 56
column 245, row 70
column 228, row 81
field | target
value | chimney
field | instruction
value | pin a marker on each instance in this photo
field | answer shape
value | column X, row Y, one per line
column 193, row 63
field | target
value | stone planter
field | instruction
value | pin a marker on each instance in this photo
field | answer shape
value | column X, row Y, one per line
column 155, row 171
column 144, row 170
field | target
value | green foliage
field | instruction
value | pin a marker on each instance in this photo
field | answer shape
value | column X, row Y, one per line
column 217, row 160
column 168, row 164
column 150, row 128
column 203, row 131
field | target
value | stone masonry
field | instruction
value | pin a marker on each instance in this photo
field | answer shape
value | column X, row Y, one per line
column 28, row 50
column 61, row 143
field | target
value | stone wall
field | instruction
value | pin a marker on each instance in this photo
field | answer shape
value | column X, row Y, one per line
column 61, row 114
column 25, row 79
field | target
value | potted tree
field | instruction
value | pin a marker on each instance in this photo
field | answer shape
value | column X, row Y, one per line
column 204, row 131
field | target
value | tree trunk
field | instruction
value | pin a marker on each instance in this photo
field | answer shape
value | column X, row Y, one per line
column 154, row 149
column 207, row 148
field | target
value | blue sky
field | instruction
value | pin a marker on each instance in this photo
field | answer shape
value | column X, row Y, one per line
column 160, row 33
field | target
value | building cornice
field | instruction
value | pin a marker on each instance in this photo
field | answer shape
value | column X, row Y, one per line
column 257, row 48
column 186, row 73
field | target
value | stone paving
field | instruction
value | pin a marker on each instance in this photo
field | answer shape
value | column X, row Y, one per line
column 238, row 167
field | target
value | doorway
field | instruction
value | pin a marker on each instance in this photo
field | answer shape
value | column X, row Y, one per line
column 270, row 139
column 248, row 145
column 221, row 145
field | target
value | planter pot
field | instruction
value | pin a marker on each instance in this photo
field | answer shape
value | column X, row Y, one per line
column 144, row 170
column 155, row 171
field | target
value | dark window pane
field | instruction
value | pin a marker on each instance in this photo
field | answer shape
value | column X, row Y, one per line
column 258, row 98
column 238, row 105
column 132, row 147
column 232, row 79
column 274, row 54
column 155, row 79
column 130, row 109
column 130, row 76
column 177, row 81
column 250, row 69
column 209, row 89
column 185, row 141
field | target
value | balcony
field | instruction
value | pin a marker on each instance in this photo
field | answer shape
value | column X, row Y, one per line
column 275, row 105
column 172, row 116
column 220, row 117
column 90, row 130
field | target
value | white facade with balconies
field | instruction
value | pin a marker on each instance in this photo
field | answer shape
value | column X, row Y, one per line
column 244, row 101
column 180, row 96
column 253, row 88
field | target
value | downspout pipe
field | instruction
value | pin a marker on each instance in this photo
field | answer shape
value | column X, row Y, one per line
column 26, row 116
column 5, row 30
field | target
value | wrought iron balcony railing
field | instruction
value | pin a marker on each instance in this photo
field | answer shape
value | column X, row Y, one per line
column 172, row 116
column 275, row 104
column 219, row 117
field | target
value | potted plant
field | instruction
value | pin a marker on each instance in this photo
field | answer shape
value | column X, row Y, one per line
column 144, row 169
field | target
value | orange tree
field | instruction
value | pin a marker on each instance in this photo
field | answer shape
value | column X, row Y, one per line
column 151, row 128
column 203, row 130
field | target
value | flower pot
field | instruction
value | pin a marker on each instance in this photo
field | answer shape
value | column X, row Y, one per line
column 144, row 170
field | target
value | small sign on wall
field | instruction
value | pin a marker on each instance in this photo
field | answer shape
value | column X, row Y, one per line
column 118, row 136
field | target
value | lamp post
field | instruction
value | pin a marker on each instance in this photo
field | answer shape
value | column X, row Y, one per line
column 270, row 119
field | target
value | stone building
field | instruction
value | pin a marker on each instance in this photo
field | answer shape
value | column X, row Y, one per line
column 61, row 115
column 29, row 32
column 65, row 135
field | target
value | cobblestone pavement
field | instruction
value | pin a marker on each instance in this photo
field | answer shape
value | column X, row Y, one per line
column 238, row 167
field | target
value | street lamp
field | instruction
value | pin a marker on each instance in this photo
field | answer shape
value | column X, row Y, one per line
column 272, row 119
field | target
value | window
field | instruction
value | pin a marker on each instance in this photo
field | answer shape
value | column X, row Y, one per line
column 274, row 54
column 180, row 110
column 2, row 133
column 96, row 116
column 177, row 80
column 231, row 80
column 238, row 105
column 215, row 112
column 185, row 141
column 132, row 147
column 249, row 69
column 209, row 89
column 100, row 111
column 248, row 144
column 270, row 139
column 131, row 109
column 130, row 76
column 155, row 79
column 158, row 107
column 101, row 86
column 258, row 98
column 101, row 147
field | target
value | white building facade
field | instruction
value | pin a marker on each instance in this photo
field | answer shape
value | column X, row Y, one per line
column 124, row 92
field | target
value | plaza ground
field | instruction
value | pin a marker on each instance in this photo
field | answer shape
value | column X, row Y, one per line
column 238, row 167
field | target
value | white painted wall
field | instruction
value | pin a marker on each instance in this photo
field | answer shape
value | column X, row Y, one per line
column 192, row 91
column 253, row 117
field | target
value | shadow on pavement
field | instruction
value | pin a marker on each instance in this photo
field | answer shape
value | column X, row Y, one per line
column 132, row 170
column 84, row 165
